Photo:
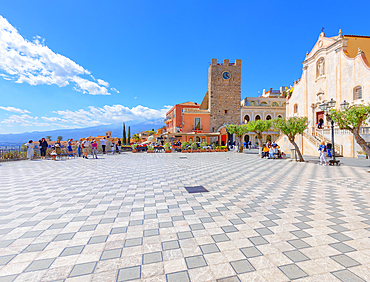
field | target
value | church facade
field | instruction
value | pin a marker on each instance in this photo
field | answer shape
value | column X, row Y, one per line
column 337, row 67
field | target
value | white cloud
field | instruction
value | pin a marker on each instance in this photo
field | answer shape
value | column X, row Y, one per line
column 114, row 89
column 112, row 114
column 84, row 118
column 102, row 82
column 14, row 110
column 34, row 63
column 24, row 120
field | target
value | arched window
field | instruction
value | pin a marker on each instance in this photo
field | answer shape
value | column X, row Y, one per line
column 268, row 138
column 320, row 67
column 264, row 104
column 246, row 119
column 253, row 103
column 296, row 108
column 357, row 93
column 283, row 104
column 279, row 116
column 257, row 117
column 275, row 104
column 268, row 117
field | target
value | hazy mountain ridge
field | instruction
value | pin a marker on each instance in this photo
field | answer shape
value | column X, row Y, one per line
column 21, row 138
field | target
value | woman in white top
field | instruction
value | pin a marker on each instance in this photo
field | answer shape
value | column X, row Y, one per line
column 30, row 151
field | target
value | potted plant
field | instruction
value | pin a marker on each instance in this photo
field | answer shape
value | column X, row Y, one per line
column 203, row 146
column 167, row 148
column 150, row 148
column 193, row 147
column 134, row 146
column 361, row 155
column 184, row 147
column 213, row 147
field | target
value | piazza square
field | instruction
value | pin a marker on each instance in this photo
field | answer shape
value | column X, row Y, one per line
column 130, row 217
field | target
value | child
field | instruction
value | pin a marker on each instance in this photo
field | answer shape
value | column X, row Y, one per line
column 322, row 149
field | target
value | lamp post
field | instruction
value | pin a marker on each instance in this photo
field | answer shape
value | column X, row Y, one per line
column 326, row 107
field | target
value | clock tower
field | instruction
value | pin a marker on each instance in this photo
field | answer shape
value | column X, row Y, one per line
column 224, row 86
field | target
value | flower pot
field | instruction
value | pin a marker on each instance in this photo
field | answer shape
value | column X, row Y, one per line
column 134, row 150
column 149, row 151
column 184, row 151
column 361, row 156
column 225, row 150
column 167, row 151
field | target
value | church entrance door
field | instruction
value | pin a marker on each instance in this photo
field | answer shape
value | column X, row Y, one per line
column 320, row 119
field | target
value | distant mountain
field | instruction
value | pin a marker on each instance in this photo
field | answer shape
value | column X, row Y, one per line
column 21, row 138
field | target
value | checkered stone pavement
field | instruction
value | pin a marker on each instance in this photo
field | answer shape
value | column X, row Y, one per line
column 129, row 217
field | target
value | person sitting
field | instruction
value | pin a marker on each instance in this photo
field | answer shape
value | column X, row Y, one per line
column 265, row 151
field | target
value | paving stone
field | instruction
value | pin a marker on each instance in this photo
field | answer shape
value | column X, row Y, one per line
column 220, row 238
column 209, row 248
column 296, row 256
column 181, row 276
column 39, row 265
column 184, row 235
column 118, row 230
column 340, row 237
column 64, row 236
column 242, row 266
column 151, row 232
column 229, row 279
column 72, row 251
column 258, row 240
column 345, row 260
column 152, row 257
column 38, row 247
column 251, row 252
column 111, row 254
column 98, row 239
column 5, row 259
column 341, row 247
column 229, row 229
column 82, row 269
column 299, row 244
column 347, row 276
column 292, row 271
column 195, row 262
column 133, row 242
column 170, row 245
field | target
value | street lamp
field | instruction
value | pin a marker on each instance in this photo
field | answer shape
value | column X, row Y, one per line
column 344, row 105
column 326, row 107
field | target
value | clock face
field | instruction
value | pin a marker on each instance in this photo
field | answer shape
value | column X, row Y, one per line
column 226, row 75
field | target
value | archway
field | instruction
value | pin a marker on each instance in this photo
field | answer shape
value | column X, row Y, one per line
column 197, row 139
column 268, row 117
column 268, row 138
column 257, row 117
column 246, row 138
column 246, row 118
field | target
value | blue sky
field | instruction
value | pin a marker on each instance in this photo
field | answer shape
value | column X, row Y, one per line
column 67, row 64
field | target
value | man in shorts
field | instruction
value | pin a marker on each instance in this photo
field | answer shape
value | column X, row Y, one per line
column 86, row 147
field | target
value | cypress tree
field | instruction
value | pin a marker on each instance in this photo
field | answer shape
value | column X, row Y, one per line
column 124, row 135
column 129, row 135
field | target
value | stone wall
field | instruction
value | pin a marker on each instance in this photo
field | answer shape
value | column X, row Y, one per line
column 224, row 94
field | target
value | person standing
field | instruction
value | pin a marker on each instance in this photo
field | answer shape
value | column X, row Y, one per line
column 85, row 147
column 94, row 149
column 249, row 144
column 79, row 147
column 112, row 147
column 44, row 147
column 119, row 144
column 30, row 151
column 328, row 146
column 103, row 144
column 58, row 148
column 323, row 149
column 70, row 150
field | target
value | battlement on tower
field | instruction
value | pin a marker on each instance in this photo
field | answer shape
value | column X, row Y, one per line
column 226, row 63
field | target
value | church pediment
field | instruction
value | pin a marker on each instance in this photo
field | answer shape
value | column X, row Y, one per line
column 322, row 42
